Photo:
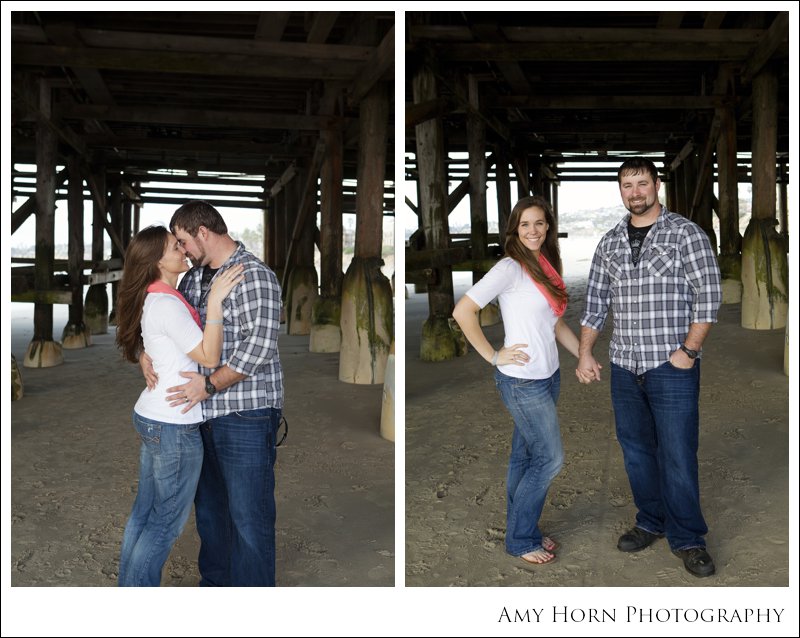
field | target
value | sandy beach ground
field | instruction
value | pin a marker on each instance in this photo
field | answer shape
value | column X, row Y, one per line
column 74, row 458
column 458, row 437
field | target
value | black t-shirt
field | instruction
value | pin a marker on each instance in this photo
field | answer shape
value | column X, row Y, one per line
column 208, row 275
column 636, row 237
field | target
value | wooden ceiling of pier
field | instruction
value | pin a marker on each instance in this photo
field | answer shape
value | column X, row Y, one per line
column 602, row 83
column 215, row 92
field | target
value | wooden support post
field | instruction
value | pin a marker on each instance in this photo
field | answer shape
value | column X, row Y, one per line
column 439, row 341
column 326, row 333
column 521, row 170
column 783, row 210
column 765, row 269
column 476, row 145
column 301, row 284
column 42, row 351
column 702, row 190
column 730, row 240
column 503, row 195
column 367, row 308
column 479, row 224
column 96, row 307
column 689, row 175
column 537, row 182
column 117, row 252
column 76, row 334
column 281, row 232
column 672, row 192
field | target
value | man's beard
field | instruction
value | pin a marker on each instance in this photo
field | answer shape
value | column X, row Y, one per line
column 640, row 209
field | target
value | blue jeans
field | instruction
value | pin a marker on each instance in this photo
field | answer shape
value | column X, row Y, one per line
column 235, row 502
column 657, row 420
column 170, row 459
column 536, row 455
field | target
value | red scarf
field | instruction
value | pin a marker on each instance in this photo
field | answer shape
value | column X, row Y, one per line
column 160, row 286
column 558, row 305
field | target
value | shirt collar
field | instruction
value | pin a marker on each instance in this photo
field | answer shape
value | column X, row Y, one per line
column 622, row 227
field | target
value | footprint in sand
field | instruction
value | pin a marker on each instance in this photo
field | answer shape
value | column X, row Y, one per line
column 670, row 576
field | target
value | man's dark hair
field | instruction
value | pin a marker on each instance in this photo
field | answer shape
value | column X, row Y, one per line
column 636, row 166
column 196, row 213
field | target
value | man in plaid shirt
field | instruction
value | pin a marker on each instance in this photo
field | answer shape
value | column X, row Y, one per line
column 242, row 401
column 658, row 272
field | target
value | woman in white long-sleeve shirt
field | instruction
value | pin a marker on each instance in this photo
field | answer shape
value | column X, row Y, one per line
column 532, row 297
column 155, row 318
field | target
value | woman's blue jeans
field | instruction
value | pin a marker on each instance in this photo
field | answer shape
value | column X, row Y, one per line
column 170, row 459
column 235, row 502
column 657, row 421
column 536, row 455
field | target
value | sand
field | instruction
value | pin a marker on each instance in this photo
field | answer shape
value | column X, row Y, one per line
column 74, row 472
column 458, row 437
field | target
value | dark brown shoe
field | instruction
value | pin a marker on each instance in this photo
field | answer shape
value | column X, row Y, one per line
column 636, row 539
column 697, row 561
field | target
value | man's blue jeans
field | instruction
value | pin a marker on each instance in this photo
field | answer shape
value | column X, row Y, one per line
column 235, row 502
column 536, row 456
column 170, row 459
column 657, row 420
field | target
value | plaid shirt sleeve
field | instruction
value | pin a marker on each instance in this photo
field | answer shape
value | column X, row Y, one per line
column 598, row 293
column 702, row 275
column 258, row 299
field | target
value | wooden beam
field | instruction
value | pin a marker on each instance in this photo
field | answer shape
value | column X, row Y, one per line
column 583, row 102
column 205, row 63
column 511, row 71
column 197, row 145
column 417, row 260
column 309, row 197
column 265, row 49
column 380, row 62
column 412, row 205
column 777, row 35
column 285, row 178
column 61, row 129
column 687, row 150
column 714, row 19
column 105, row 277
column 100, row 201
column 22, row 213
column 620, row 35
column 669, row 19
column 591, row 52
column 419, row 113
column 197, row 117
column 706, row 167
column 46, row 297
column 271, row 25
column 321, row 26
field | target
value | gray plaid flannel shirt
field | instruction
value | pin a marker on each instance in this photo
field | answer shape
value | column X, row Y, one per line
column 251, row 321
column 676, row 283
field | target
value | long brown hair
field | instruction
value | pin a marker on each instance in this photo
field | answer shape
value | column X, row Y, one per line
column 141, row 269
column 519, row 253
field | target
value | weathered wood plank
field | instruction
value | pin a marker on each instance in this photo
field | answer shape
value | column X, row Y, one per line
column 593, row 52
column 197, row 117
column 160, row 61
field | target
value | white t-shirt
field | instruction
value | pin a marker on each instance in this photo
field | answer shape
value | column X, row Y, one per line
column 527, row 317
column 168, row 332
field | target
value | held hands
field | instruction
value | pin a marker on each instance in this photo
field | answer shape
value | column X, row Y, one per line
column 224, row 282
column 588, row 369
column 189, row 394
column 512, row 355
